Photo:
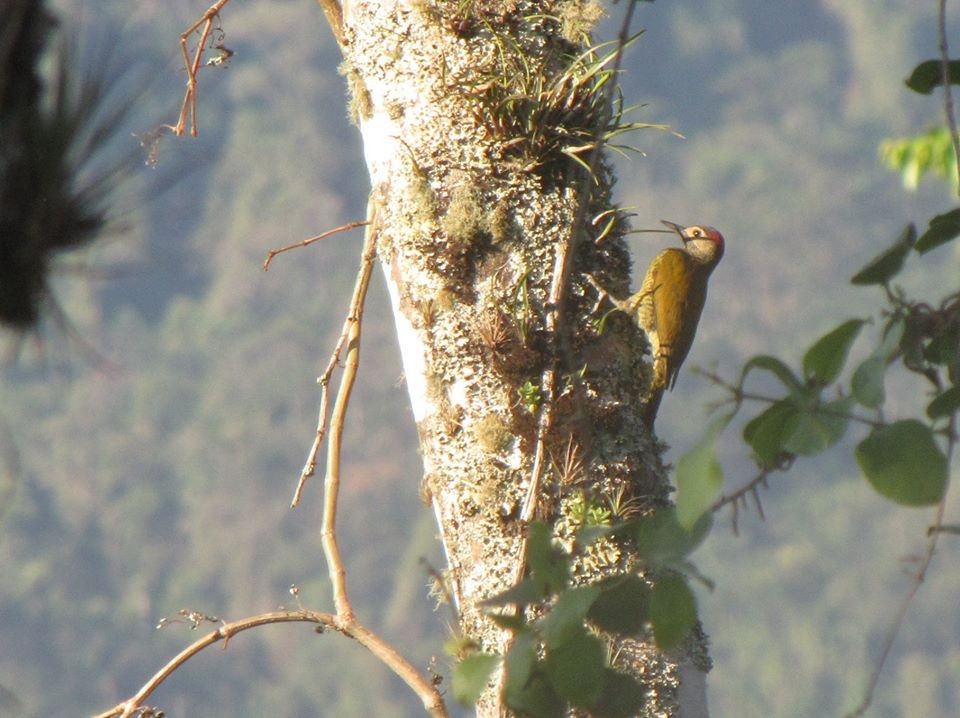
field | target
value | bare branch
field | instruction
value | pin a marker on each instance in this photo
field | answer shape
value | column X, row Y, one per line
column 334, row 14
column 226, row 630
column 192, row 66
column 363, row 277
column 306, row 242
column 554, row 324
column 346, row 620
column 947, row 92
column 324, row 382
column 545, row 421
column 368, row 640
column 337, row 420
column 751, row 489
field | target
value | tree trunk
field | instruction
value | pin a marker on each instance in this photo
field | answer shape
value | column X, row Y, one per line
column 468, row 114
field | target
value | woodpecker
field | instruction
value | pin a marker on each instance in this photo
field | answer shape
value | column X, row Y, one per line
column 670, row 301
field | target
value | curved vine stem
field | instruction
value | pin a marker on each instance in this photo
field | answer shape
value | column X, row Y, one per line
column 934, row 533
column 224, row 633
column 947, row 92
column 917, row 580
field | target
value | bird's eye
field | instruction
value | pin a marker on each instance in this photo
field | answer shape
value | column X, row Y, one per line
column 696, row 232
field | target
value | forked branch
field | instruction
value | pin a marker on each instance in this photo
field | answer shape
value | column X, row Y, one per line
column 205, row 25
column 350, row 324
column 344, row 620
column 192, row 66
column 423, row 687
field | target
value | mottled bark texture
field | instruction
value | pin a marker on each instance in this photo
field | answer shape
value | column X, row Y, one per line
column 473, row 206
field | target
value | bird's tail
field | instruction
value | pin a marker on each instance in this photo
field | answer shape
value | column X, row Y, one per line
column 652, row 407
column 658, row 385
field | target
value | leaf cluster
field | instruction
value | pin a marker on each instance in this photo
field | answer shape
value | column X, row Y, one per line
column 913, row 157
column 903, row 460
column 931, row 151
column 558, row 657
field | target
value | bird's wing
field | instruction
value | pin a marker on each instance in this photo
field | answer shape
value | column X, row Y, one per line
column 662, row 316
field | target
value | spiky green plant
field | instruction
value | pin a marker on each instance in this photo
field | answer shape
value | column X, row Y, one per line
column 543, row 113
column 54, row 176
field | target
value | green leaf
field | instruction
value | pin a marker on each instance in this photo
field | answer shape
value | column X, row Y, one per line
column 673, row 611
column 903, row 463
column 547, row 563
column 622, row 605
column 565, row 618
column 911, row 341
column 892, row 335
column 884, row 267
column 944, row 348
column 622, row 697
column 812, row 431
column 576, row 669
column 929, row 74
column 699, row 476
column 535, row 699
column 913, row 157
column 660, row 537
column 767, row 432
column 508, row 621
column 867, row 382
column 470, row 677
column 824, row 361
column 945, row 403
column 942, row 229
column 777, row 368
column 520, row 661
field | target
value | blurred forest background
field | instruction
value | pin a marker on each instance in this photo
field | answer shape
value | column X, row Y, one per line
column 159, row 477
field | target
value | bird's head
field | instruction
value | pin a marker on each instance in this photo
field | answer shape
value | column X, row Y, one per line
column 705, row 244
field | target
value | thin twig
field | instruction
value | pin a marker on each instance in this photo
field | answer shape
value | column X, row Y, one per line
column 334, row 14
column 738, row 395
column 947, row 92
column 549, row 387
column 337, row 421
column 224, row 633
column 344, row 621
column 227, row 630
column 555, row 326
column 324, row 379
column 739, row 497
column 933, row 536
column 306, row 242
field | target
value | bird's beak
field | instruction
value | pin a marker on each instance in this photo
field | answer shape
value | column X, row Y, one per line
column 672, row 225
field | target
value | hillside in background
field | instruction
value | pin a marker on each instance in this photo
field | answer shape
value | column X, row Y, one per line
column 159, row 477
